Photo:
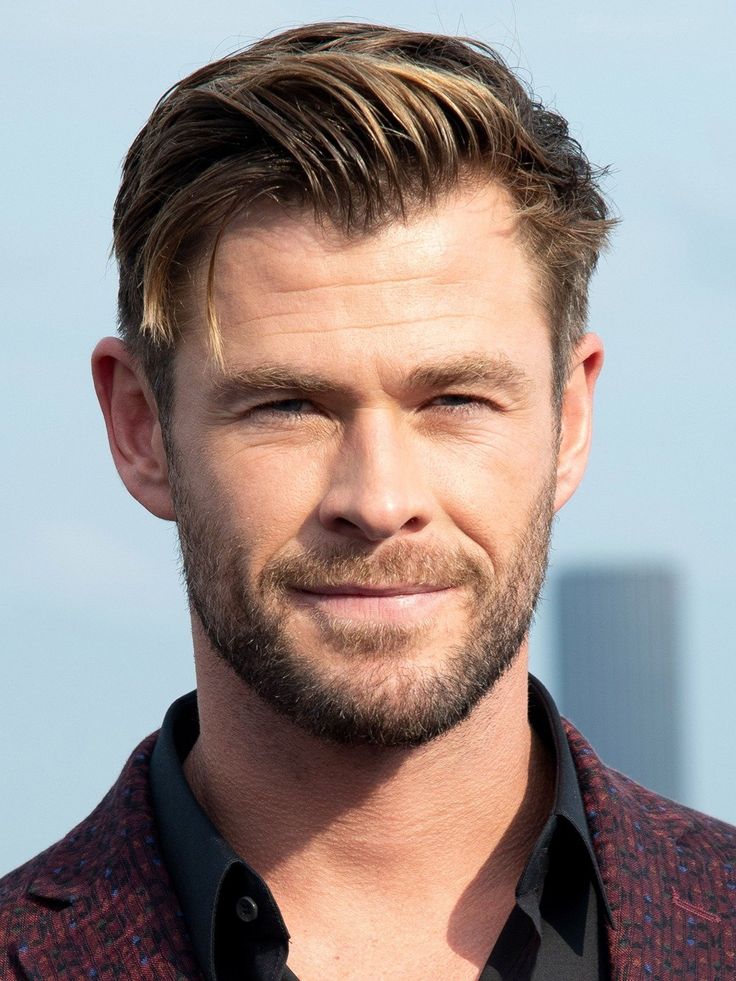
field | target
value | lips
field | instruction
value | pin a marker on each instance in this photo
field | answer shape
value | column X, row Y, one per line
column 402, row 604
column 353, row 589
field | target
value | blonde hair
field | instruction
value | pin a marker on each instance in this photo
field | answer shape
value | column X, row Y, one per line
column 363, row 124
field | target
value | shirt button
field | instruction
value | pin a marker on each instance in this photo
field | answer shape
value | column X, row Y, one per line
column 247, row 909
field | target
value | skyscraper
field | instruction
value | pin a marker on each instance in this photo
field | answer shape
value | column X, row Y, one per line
column 618, row 635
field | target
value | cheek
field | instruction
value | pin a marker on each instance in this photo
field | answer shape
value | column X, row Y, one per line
column 264, row 496
column 490, row 491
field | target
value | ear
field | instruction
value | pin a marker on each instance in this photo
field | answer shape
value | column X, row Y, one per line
column 576, row 417
column 133, row 428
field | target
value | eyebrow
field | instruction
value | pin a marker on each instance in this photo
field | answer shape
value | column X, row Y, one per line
column 497, row 372
column 232, row 385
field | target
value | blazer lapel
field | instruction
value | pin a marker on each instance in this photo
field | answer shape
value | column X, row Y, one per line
column 671, row 894
column 102, row 902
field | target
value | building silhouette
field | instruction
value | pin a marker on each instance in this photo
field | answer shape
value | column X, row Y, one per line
column 618, row 640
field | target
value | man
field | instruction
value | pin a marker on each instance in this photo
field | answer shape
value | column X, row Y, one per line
column 354, row 370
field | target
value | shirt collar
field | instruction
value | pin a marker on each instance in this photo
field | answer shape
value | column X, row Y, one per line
column 568, row 807
column 210, row 879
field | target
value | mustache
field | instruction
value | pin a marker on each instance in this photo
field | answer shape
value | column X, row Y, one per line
column 395, row 566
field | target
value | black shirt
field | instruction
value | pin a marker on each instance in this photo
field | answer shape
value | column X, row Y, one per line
column 554, row 932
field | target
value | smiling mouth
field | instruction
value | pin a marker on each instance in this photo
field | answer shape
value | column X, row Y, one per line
column 354, row 589
column 403, row 603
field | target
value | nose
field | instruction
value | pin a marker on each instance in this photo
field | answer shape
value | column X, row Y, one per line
column 376, row 489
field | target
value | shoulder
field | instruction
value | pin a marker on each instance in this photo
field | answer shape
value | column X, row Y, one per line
column 669, row 874
column 623, row 801
column 94, row 891
column 102, row 836
column 649, row 846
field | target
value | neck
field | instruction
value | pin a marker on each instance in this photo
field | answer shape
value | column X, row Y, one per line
column 469, row 804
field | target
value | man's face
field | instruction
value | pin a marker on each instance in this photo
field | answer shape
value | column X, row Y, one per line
column 364, row 493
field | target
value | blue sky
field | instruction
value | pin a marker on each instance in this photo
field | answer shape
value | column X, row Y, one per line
column 95, row 633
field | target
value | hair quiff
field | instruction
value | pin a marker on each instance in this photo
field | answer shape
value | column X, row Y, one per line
column 363, row 124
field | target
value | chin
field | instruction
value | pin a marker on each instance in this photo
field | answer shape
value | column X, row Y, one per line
column 380, row 696
column 349, row 642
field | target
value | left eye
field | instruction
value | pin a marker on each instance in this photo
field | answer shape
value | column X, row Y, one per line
column 460, row 402
column 283, row 407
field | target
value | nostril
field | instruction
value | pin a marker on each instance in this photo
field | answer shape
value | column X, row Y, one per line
column 345, row 526
column 413, row 524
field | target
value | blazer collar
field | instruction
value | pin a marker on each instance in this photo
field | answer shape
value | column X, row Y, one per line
column 668, row 873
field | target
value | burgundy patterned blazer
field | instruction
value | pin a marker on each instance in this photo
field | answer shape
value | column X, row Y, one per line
column 99, row 903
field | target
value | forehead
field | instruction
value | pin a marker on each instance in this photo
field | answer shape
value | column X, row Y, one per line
column 451, row 280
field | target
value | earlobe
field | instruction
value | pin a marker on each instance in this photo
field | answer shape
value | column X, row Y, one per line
column 576, row 417
column 133, row 427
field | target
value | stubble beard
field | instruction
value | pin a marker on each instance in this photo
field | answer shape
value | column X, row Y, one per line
column 377, row 694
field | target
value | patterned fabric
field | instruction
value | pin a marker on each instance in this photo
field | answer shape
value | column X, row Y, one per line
column 99, row 904
column 669, row 874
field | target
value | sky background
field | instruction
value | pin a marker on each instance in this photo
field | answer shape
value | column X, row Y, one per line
column 95, row 634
